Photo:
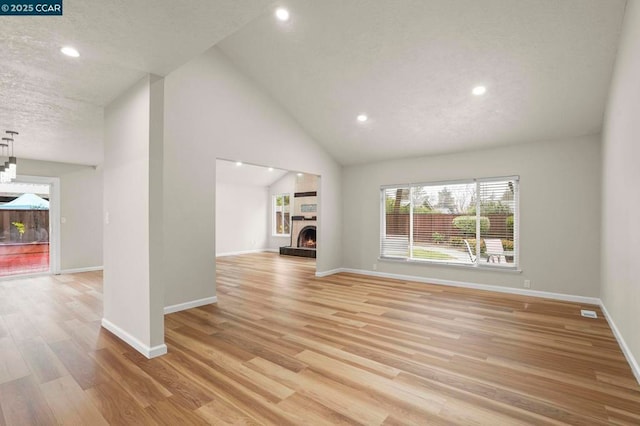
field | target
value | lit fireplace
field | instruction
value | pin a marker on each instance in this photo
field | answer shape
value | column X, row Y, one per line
column 307, row 237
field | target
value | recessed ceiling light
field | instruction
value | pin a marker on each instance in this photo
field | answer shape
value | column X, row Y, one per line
column 70, row 51
column 270, row 169
column 479, row 90
column 362, row 118
column 299, row 174
column 238, row 163
column 282, row 14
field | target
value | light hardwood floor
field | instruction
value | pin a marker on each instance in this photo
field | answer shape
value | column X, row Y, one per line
column 283, row 347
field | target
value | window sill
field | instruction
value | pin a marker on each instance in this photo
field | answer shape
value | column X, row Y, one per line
column 476, row 267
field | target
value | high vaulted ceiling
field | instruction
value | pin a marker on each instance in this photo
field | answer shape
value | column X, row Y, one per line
column 56, row 102
column 410, row 65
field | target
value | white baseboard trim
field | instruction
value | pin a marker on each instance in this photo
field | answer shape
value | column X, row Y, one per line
column 77, row 270
column 489, row 287
column 633, row 363
column 272, row 250
column 188, row 305
column 321, row 274
column 236, row 253
column 149, row 352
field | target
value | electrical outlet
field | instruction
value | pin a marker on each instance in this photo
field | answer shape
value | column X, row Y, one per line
column 527, row 283
column 375, row 266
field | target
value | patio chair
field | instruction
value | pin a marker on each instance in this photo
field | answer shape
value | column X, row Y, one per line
column 495, row 251
column 471, row 256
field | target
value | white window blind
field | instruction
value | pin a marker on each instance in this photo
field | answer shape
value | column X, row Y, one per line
column 498, row 200
column 450, row 222
column 396, row 206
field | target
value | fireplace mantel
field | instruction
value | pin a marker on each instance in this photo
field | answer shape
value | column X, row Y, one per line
column 304, row 218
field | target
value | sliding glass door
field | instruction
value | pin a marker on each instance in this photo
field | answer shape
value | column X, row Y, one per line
column 25, row 228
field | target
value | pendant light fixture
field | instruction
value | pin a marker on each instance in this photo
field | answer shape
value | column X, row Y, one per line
column 8, row 170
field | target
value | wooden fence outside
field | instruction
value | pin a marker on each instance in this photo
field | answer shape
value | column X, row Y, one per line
column 425, row 225
column 36, row 226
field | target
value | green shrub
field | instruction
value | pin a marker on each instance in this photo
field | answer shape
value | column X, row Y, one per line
column 19, row 226
column 456, row 242
column 467, row 224
column 509, row 223
column 437, row 237
column 507, row 244
column 490, row 207
column 403, row 208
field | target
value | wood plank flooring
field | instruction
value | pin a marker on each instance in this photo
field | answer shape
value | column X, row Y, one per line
column 283, row 347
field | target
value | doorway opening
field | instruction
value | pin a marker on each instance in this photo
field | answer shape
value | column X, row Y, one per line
column 265, row 209
column 26, row 223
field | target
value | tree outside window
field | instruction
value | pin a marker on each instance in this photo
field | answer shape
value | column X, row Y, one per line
column 282, row 214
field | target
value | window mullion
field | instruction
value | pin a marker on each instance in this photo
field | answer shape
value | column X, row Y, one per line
column 478, row 242
column 516, row 222
column 411, row 222
column 383, row 221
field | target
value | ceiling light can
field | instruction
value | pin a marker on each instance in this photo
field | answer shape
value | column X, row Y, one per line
column 70, row 51
column 282, row 14
column 479, row 90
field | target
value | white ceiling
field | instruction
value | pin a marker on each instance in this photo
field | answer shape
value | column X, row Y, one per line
column 410, row 65
column 247, row 174
column 56, row 102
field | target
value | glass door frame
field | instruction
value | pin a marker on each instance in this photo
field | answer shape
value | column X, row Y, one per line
column 54, row 221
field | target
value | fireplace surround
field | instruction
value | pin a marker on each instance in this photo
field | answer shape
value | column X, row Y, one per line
column 304, row 221
column 307, row 237
column 303, row 237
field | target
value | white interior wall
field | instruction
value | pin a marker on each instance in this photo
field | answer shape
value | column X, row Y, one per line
column 242, row 215
column 132, row 302
column 559, row 213
column 80, row 205
column 621, row 195
column 213, row 111
column 285, row 185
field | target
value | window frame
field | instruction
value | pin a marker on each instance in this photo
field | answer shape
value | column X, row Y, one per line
column 274, row 221
column 514, row 267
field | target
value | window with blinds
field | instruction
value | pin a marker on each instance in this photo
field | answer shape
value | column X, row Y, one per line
column 472, row 222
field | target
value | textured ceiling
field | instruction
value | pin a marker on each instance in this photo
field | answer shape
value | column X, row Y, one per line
column 247, row 174
column 56, row 102
column 411, row 65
